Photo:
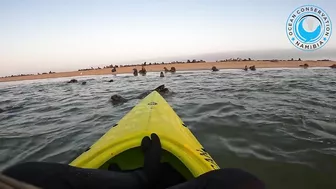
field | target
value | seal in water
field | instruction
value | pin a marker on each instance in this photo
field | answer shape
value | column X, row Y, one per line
column 161, row 74
column 73, row 81
column 253, row 68
column 304, row 66
column 135, row 72
column 160, row 89
column 172, row 70
column 166, row 70
column 214, row 69
column 117, row 99
column 143, row 71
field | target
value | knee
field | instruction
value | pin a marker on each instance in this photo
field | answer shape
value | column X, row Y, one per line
column 28, row 169
column 20, row 169
column 232, row 178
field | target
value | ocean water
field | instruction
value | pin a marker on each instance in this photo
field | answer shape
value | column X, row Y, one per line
column 279, row 124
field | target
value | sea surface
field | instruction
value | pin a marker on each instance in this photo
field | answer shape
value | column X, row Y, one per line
column 279, row 124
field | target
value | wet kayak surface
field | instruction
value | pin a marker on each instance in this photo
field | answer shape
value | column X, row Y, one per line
column 279, row 124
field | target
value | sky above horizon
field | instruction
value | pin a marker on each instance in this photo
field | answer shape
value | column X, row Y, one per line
column 59, row 35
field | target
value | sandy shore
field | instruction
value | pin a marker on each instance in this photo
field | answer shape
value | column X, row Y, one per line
column 179, row 67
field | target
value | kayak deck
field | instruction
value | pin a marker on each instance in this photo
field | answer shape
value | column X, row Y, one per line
column 121, row 144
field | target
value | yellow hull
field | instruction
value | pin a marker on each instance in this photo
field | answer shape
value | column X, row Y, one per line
column 121, row 144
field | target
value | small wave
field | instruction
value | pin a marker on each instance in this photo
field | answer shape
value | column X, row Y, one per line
column 282, row 115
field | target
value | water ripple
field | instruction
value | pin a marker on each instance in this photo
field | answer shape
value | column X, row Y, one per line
column 277, row 118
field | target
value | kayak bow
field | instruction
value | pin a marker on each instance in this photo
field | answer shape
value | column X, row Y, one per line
column 121, row 144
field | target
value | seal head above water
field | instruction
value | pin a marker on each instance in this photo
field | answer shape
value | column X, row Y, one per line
column 118, row 99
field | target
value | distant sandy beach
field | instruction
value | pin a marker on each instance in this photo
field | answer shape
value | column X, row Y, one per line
column 178, row 66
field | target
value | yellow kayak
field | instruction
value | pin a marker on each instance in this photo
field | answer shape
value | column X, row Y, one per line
column 121, row 144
